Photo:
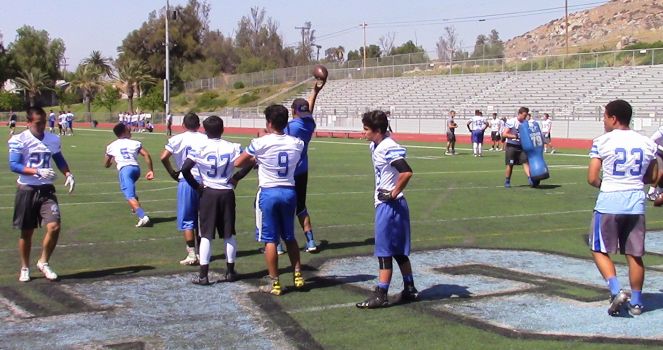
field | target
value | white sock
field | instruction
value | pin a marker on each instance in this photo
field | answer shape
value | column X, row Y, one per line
column 231, row 249
column 479, row 148
column 205, row 251
column 474, row 147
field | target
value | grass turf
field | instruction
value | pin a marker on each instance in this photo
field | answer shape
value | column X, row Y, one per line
column 454, row 202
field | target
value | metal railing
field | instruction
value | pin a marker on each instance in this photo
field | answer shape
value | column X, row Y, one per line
column 421, row 64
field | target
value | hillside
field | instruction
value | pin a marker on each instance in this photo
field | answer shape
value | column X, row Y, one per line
column 610, row 26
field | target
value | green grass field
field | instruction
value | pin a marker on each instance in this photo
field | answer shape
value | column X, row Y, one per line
column 454, row 201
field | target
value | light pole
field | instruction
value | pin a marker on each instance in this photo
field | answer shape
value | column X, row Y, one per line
column 364, row 25
column 166, row 83
column 317, row 56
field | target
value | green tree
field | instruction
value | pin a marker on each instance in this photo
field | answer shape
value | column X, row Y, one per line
column 152, row 101
column 406, row 48
column 87, row 81
column 496, row 44
column 7, row 69
column 100, row 63
column 257, row 39
column 132, row 75
column 187, row 30
column 66, row 98
column 220, row 50
column 480, row 47
column 108, row 98
column 33, row 82
column 335, row 54
column 9, row 101
column 33, row 49
column 373, row 51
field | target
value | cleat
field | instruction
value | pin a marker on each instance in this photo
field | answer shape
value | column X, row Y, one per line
column 616, row 302
column 272, row 286
column 230, row 277
column 507, row 184
column 377, row 300
column 47, row 271
column 552, row 152
column 635, row 310
column 201, row 281
column 24, row 275
column 448, row 153
column 409, row 293
column 298, row 279
column 535, row 183
column 311, row 246
column 191, row 258
column 143, row 222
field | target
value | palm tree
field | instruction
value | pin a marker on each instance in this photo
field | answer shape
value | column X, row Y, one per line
column 33, row 82
column 131, row 75
column 87, row 80
column 103, row 64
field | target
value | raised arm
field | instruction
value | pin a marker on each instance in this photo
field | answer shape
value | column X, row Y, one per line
column 319, row 84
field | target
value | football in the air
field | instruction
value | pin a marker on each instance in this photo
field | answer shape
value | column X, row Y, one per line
column 320, row 72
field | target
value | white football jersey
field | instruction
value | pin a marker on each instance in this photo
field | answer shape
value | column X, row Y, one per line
column 512, row 125
column 277, row 157
column 495, row 125
column 546, row 125
column 214, row 159
column 625, row 155
column 124, row 151
column 63, row 119
column 658, row 137
column 35, row 153
column 383, row 155
column 180, row 145
column 478, row 122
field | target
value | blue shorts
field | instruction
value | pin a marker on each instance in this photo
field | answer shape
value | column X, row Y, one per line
column 477, row 136
column 128, row 176
column 275, row 214
column 187, row 206
column 70, row 125
column 392, row 228
column 51, row 123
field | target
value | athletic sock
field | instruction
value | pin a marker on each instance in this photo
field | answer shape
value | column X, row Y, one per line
column 231, row 249
column 309, row 235
column 613, row 284
column 507, row 179
column 384, row 286
column 636, row 297
column 205, row 251
column 140, row 213
column 191, row 244
column 204, row 269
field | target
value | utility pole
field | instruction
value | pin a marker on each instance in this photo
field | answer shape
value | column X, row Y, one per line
column 566, row 15
column 166, row 83
column 304, row 30
column 364, row 25
column 317, row 56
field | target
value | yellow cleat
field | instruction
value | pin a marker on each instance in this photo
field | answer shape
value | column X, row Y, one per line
column 298, row 279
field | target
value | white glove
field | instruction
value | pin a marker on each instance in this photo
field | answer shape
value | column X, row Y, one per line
column 45, row 173
column 69, row 182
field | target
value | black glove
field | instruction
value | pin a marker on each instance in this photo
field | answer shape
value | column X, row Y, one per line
column 384, row 195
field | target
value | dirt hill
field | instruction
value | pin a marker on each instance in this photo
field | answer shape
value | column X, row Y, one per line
column 609, row 26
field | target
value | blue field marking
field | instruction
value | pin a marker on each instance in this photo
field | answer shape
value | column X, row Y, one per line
column 535, row 307
column 161, row 312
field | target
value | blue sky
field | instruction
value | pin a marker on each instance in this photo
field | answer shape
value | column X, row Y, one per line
column 87, row 25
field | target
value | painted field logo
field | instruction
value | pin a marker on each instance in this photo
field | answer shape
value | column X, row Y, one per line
column 520, row 292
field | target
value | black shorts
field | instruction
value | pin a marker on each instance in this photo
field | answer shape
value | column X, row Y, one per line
column 546, row 138
column 217, row 213
column 35, row 206
column 451, row 137
column 12, row 123
column 514, row 155
column 301, row 182
column 495, row 136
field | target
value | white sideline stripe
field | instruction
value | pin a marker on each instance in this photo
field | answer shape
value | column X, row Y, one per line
column 15, row 310
column 310, row 194
column 321, row 308
column 501, row 170
column 178, row 236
